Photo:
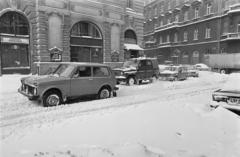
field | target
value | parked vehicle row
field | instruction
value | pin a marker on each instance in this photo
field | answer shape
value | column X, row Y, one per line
column 71, row 79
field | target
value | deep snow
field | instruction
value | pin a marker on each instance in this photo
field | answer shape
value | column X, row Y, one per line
column 161, row 119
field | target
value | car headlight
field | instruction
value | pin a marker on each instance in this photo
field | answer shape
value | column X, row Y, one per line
column 219, row 97
column 35, row 91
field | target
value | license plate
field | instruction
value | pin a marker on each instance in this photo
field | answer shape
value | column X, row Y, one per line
column 235, row 101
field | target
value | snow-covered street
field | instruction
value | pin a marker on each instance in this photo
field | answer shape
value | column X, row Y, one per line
column 160, row 119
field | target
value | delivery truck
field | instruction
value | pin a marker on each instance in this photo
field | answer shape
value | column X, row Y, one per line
column 225, row 62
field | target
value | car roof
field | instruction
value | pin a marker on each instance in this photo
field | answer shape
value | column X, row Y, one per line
column 143, row 58
column 79, row 63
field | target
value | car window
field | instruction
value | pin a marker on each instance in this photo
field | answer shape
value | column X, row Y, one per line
column 100, row 72
column 83, row 71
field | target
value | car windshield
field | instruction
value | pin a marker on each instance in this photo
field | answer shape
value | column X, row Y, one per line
column 130, row 63
column 171, row 68
column 64, row 70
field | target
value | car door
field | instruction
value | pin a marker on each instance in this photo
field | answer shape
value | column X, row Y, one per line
column 81, row 82
column 101, row 76
column 141, row 70
column 149, row 69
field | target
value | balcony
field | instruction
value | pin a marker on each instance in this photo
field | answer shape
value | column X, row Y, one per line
column 234, row 9
column 231, row 36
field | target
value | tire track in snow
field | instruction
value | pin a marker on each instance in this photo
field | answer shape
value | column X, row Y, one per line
column 11, row 124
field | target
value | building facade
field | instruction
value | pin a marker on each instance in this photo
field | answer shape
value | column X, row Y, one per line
column 33, row 31
column 186, row 31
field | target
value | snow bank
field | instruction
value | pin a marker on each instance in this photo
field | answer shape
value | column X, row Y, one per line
column 164, row 119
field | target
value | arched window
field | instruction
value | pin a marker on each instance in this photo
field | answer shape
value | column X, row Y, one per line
column 85, row 29
column 14, row 23
column 130, row 37
column 86, row 43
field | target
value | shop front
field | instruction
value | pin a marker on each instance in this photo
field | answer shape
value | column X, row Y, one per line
column 14, row 46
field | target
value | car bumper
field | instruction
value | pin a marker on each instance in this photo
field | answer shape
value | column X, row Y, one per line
column 226, row 105
column 31, row 96
column 166, row 78
column 121, row 78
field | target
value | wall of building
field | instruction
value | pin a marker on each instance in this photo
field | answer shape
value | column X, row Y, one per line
column 51, row 22
column 223, row 22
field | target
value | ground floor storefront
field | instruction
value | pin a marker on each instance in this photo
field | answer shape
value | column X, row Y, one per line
column 31, row 33
column 192, row 53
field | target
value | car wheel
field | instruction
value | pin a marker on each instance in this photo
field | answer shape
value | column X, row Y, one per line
column 154, row 79
column 222, row 71
column 52, row 98
column 104, row 93
column 131, row 81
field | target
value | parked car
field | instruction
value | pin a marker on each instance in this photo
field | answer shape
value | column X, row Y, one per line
column 231, row 99
column 192, row 71
column 202, row 67
column 174, row 73
column 136, row 70
column 70, row 80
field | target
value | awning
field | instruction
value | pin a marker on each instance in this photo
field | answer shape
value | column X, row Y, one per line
column 132, row 47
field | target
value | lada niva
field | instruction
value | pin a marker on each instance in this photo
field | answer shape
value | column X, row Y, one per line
column 70, row 80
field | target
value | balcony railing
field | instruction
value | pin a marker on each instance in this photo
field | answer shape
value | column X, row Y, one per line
column 168, row 26
column 231, row 36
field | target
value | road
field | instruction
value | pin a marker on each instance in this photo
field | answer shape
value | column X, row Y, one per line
column 17, row 112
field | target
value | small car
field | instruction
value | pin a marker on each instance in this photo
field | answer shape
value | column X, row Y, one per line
column 192, row 71
column 70, row 80
column 136, row 70
column 230, row 99
column 202, row 67
column 174, row 73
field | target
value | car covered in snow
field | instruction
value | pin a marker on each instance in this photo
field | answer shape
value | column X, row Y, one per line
column 192, row 71
column 230, row 99
column 174, row 73
column 70, row 80
column 136, row 70
column 202, row 67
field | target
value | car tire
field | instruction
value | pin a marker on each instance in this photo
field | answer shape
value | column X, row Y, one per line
column 154, row 79
column 131, row 81
column 52, row 98
column 104, row 93
column 222, row 71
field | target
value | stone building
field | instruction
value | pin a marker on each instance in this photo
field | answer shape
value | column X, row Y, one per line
column 186, row 31
column 33, row 31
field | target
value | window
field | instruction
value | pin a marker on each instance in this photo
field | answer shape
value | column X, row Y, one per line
column 160, row 40
column 83, row 72
column 208, row 33
column 161, row 23
column 100, row 72
column 238, row 27
column 209, row 8
column 185, row 36
column 14, row 23
column 185, row 18
column 168, row 5
column 85, row 29
column 177, row 18
column 195, row 35
column 175, row 37
column 169, row 20
column 130, row 4
column 177, row 2
column 155, row 11
column 196, row 13
column 168, row 38
column 161, row 8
